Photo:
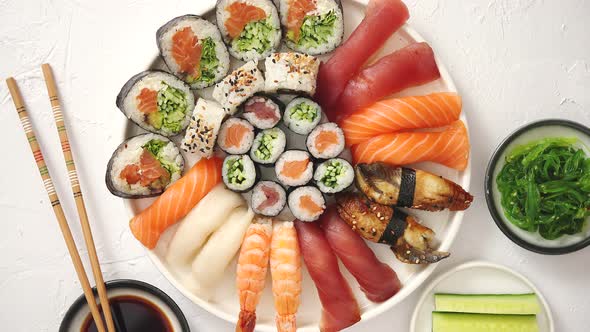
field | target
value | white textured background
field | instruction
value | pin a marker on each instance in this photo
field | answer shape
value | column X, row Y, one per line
column 514, row 61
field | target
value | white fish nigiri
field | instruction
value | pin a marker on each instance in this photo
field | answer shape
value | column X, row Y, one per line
column 194, row 229
column 220, row 249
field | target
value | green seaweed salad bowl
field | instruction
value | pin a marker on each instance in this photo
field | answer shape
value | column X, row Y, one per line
column 537, row 186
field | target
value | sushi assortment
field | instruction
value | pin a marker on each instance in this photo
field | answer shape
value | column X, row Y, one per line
column 256, row 191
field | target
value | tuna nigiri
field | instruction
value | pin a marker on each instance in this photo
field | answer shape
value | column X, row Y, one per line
column 382, row 18
column 449, row 147
column 251, row 271
column 388, row 116
column 377, row 280
column 410, row 66
column 339, row 307
column 176, row 201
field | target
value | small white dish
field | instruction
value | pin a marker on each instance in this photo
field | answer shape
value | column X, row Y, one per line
column 478, row 277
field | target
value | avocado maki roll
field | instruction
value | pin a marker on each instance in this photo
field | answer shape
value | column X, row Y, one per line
column 157, row 101
column 239, row 173
column 143, row 166
column 268, row 146
column 250, row 28
column 334, row 175
column 302, row 115
column 193, row 50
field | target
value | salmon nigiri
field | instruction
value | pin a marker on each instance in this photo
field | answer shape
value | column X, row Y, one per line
column 176, row 201
column 251, row 272
column 449, row 147
column 391, row 115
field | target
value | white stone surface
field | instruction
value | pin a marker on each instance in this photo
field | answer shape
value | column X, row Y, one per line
column 514, row 61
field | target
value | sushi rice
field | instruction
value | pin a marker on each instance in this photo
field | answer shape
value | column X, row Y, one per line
column 334, row 175
column 268, row 198
column 238, row 86
column 292, row 73
column 306, row 203
column 268, row 146
column 202, row 131
column 239, row 173
column 302, row 115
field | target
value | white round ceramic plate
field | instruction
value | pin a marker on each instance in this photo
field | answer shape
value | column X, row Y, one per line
column 224, row 303
column 477, row 278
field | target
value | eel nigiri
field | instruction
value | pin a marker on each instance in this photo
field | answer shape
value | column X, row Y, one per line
column 408, row 239
column 251, row 271
column 391, row 115
column 377, row 280
column 449, row 147
column 382, row 18
column 217, row 253
column 339, row 307
column 408, row 187
column 285, row 269
column 176, row 201
column 410, row 66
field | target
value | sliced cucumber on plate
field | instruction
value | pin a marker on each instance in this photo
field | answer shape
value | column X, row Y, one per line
column 469, row 322
column 515, row 304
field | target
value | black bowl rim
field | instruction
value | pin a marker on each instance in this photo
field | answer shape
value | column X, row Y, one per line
column 498, row 219
column 126, row 283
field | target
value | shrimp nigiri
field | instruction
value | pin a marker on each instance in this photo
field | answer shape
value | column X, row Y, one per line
column 251, row 274
column 285, row 269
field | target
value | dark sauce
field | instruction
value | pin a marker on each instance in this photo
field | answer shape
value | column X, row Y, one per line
column 133, row 314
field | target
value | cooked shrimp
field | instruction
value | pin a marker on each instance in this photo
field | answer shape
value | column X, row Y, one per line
column 285, row 269
column 252, row 267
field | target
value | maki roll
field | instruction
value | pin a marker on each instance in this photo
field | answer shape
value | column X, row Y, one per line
column 263, row 112
column 307, row 203
column 312, row 26
column 326, row 141
column 268, row 198
column 239, row 173
column 157, row 101
column 235, row 136
column 291, row 73
column 334, row 175
column 250, row 28
column 268, row 146
column 294, row 168
column 193, row 50
column 238, row 86
column 143, row 166
column 202, row 132
column 302, row 115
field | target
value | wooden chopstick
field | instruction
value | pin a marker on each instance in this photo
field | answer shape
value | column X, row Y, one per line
column 54, row 199
column 73, row 175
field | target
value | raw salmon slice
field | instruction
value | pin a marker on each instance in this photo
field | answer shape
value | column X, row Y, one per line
column 130, row 174
column 186, row 51
column 152, row 170
column 324, row 140
column 294, row 169
column 235, row 135
column 308, row 204
column 298, row 9
column 391, row 115
column 449, row 147
column 147, row 101
column 240, row 14
column 410, row 66
column 176, row 201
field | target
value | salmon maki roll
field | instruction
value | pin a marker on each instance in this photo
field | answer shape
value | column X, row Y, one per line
column 236, row 136
column 306, row 203
column 326, row 141
column 157, row 101
column 294, row 168
column 143, row 166
column 312, row 26
column 251, row 29
column 193, row 50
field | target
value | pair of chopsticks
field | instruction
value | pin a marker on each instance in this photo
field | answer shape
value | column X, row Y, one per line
column 57, row 209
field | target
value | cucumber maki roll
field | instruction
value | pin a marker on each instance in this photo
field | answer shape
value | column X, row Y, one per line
column 239, row 173
column 193, row 50
column 302, row 115
column 250, row 28
column 268, row 146
column 143, row 166
column 157, row 101
column 312, row 26
column 333, row 175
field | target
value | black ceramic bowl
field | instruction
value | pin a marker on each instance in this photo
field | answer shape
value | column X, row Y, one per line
column 79, row 311
column 530, row 132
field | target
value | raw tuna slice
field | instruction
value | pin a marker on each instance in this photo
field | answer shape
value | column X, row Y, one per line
column 411, row 66
column 382, row 19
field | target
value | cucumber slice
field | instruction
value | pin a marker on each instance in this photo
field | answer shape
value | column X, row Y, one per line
column 516, row 304
column 462, row 322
